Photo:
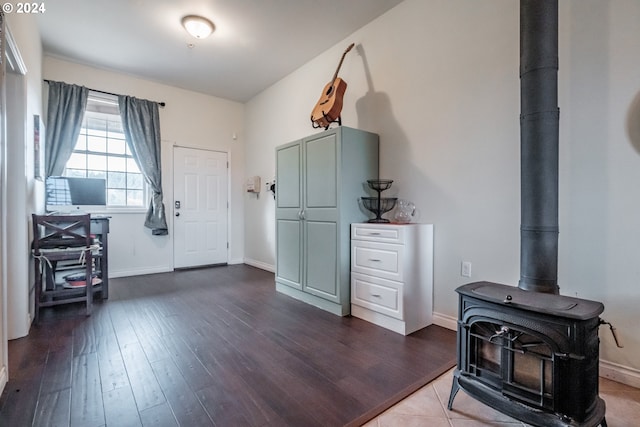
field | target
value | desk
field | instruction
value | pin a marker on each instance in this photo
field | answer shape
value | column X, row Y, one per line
column 58, row 244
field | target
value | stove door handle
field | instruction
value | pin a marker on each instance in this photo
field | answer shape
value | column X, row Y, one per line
column 613, row 332
column 502, row 332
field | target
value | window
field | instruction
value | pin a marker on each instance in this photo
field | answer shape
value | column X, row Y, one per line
column 101, row 152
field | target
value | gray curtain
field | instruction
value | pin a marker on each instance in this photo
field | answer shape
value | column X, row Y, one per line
column 64, row 119
column 141, row 125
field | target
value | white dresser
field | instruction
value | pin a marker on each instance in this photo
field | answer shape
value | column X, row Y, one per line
column 392, row 275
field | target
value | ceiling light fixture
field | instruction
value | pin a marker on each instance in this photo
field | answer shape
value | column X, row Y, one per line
column 198, row 26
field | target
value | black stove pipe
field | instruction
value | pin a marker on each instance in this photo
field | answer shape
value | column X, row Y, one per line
column 539, row 137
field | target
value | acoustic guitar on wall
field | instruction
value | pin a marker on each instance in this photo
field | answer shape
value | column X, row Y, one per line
column 329, row 106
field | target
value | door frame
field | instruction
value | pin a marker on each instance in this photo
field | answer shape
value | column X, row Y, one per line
column 12, row 63
column 173, row 196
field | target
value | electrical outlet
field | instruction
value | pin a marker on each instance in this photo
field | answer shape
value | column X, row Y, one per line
column 465, row 269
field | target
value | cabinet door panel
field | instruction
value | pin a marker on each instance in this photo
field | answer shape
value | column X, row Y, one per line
column 321, row 172
column 288, row 182
column 321, row 261
column 288, row 259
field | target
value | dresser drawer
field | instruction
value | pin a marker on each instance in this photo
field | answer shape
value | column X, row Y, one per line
column 383, row 296
column 385, row 233
column 377, row 259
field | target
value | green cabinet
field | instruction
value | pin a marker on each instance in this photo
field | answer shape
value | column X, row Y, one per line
column 319, row 181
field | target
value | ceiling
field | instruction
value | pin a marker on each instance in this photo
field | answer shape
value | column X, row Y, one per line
column 255, row 44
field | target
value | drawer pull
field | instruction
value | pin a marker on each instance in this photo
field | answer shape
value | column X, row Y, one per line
column 374, row 234
column 374, row 260
column 376, row 295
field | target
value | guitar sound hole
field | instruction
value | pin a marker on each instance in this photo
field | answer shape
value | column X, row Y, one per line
column 329, row 91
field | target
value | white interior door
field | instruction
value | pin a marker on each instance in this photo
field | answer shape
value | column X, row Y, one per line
column 200, row 207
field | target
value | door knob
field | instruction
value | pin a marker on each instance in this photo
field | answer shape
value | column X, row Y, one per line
column 177, row 213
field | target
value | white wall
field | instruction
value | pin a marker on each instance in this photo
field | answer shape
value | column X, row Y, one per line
column 425, row 89
column 439, row 82
column 189, row 119
column 25, row 192
column 600, row 121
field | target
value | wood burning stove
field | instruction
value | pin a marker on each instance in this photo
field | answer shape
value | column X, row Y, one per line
column 528, row 351
column 530, row 355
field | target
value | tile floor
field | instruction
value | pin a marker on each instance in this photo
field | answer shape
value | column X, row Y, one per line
column 428, row 407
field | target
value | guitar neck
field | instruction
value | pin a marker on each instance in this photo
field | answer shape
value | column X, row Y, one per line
column 335, row 75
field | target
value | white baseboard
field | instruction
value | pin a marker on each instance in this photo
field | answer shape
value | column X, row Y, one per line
column 620, row 373
column 609, row 370
column 140, row 272
column 321, row 303
column 445, row 321
column 260, row 264
column 3, row 378
column 165, row 269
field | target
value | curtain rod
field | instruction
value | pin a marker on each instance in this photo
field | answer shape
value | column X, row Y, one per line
column 161, row 104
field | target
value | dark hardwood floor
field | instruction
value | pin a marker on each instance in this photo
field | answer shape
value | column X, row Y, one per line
column 216, row 346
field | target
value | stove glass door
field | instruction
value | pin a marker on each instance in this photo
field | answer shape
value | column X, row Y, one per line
column 517, row 363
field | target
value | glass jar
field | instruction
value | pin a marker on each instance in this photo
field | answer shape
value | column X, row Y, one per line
column 404, row 211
